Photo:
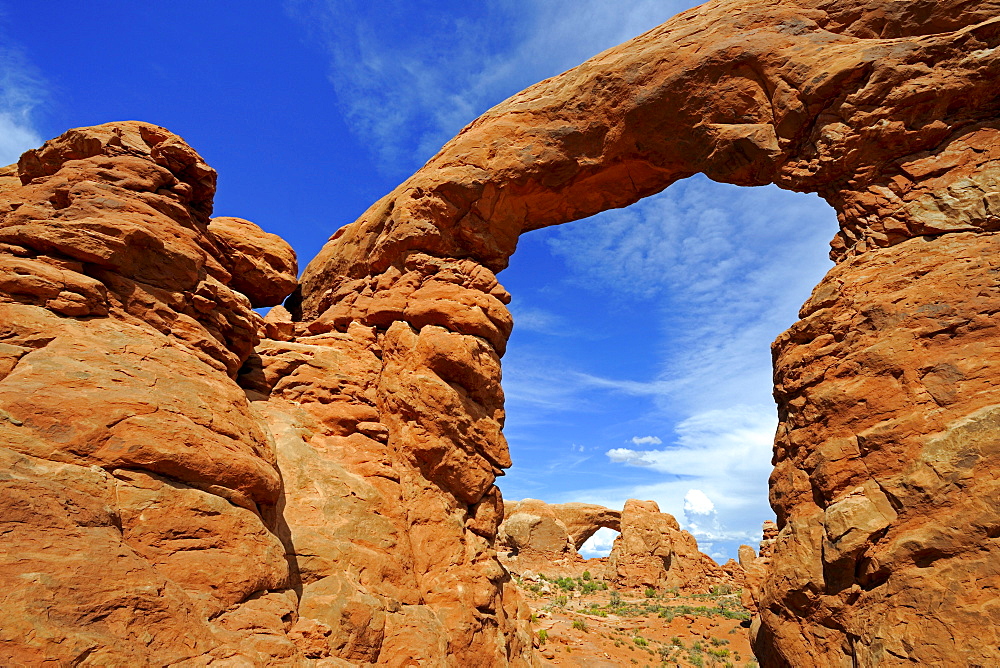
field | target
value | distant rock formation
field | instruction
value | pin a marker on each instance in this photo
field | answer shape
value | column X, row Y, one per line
column 653, row 551
column 545, row 537
column 755, row 566
column 179, row 488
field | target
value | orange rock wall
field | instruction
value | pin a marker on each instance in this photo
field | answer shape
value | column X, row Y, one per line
column 140, row 492
column 178, row 490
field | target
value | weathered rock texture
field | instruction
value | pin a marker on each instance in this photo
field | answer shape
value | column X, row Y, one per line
column 140, row 494
column 886, row 454
column 145, row 518
column 155, row 512
column 653, row 551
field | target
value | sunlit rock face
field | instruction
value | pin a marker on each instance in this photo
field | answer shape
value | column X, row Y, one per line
column 184, row 482
column 140, row 493
column 884, row 464
column 653, row 551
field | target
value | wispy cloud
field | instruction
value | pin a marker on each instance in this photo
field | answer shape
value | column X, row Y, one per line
column 726, row 267
column 409, row 77
column 21, row 93
column 531, row 319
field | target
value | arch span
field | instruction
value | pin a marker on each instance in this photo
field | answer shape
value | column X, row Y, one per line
column 885, row 386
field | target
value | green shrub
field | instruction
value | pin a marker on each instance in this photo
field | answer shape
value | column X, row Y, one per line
column 579, row 624
column 640, row 641
column 543, row 635
column 586, row 575
column 650, row 592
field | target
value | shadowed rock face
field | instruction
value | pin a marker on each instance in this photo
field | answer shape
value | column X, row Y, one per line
column 143, row 504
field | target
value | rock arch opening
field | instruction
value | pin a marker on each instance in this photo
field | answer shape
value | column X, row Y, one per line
column 639, row 365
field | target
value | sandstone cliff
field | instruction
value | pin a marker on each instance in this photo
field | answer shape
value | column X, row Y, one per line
column 177, row 490
column 155, row 512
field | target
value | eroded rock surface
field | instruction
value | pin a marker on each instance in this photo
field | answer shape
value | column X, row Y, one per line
column 140, row 492
column 143, row 502
column 159, row 511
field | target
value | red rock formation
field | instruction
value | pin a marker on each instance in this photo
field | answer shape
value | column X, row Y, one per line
column 377, row 393
column 653, row 551
column 582, row 520
column 544, row 537
column 755, row 566
column 142, row 496
column 890, row 112
column 140, row 493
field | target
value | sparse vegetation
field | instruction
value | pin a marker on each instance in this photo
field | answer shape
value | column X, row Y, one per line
column 567, row 601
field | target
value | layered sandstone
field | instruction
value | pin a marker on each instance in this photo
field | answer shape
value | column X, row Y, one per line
column 338, row 504
column 157, row 512
column 140, row 492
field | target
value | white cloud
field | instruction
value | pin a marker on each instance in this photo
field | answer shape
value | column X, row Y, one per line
column 21, row 92
column 600, row 544
column 726, row 267
column 531, row 319
column 696, row 502
column 409, row 77
column 646, row 440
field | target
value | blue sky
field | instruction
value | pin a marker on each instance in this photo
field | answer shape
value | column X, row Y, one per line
column 639, row 365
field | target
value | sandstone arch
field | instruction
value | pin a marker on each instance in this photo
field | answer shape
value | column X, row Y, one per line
column 888, row 111
column 345, row 498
